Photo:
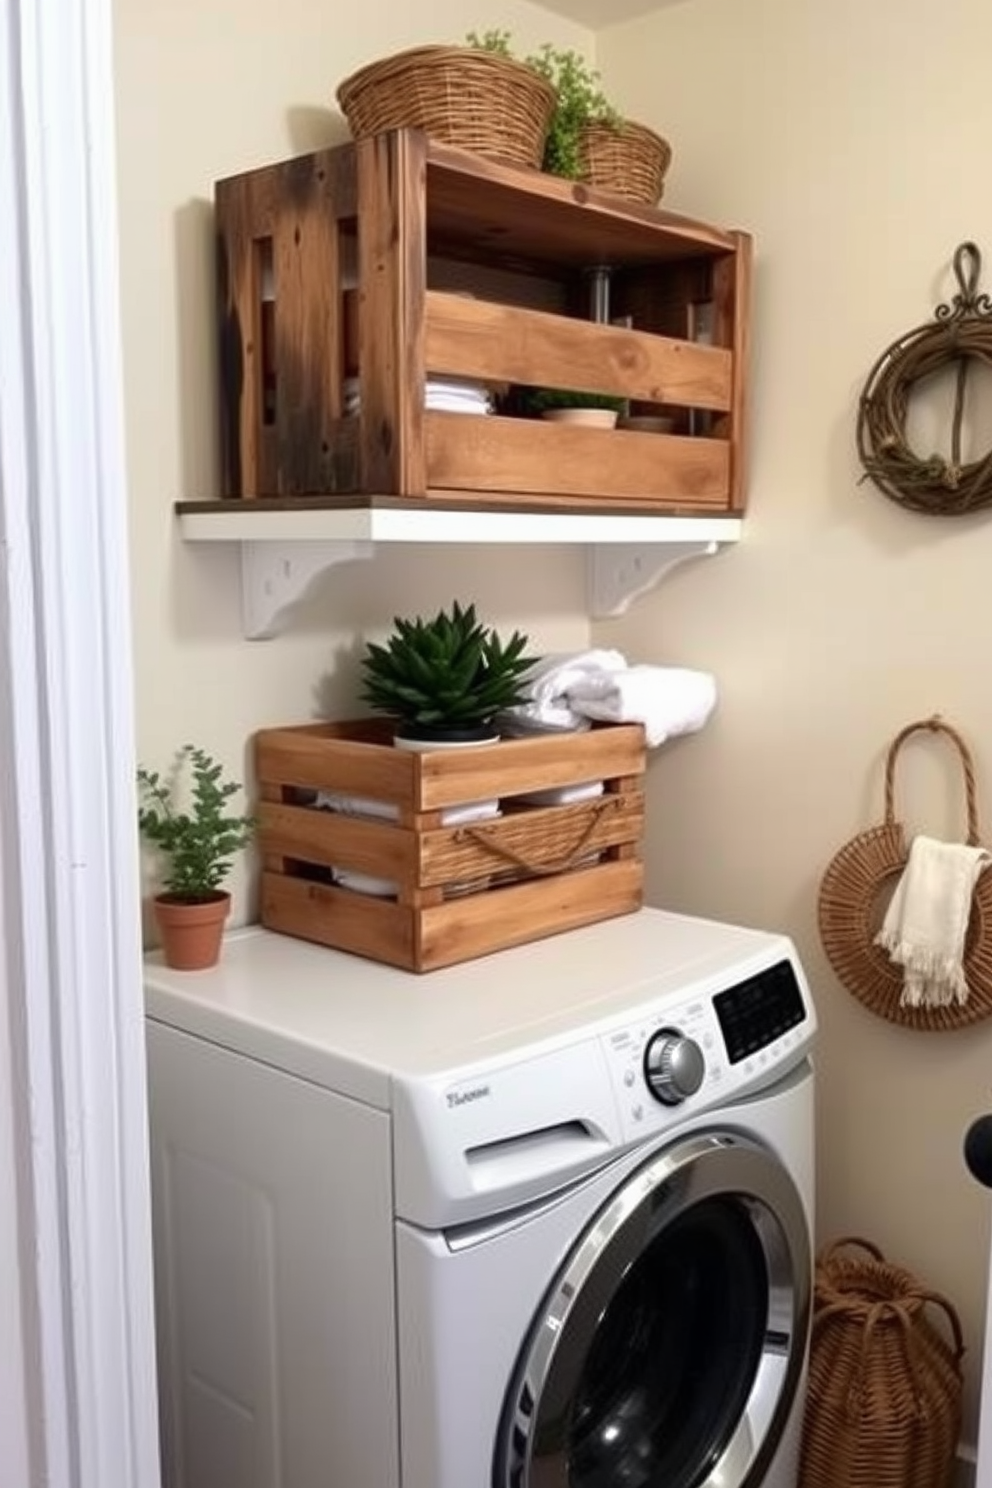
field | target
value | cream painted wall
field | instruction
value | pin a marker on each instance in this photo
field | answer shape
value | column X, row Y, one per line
column 207, row 88
column 853, row 140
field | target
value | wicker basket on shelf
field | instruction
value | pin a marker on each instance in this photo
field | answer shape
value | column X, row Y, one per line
column 463, row 96
column 628, row 161
column 883, row 1405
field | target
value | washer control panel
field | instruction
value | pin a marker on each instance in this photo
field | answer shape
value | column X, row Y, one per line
column 707, row 1047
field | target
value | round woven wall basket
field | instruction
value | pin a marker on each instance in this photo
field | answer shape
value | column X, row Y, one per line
column 630, row 161
column 462, row 96
column 849, row 909
column 883, row 1401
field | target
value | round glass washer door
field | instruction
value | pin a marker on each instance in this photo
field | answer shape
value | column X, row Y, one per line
column 670, row 1346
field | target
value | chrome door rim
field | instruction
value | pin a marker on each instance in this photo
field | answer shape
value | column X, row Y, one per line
column 710, row 1165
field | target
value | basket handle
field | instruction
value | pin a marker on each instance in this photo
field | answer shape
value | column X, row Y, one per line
column 911, row 1344
column 482, row 838
column 934, row 725
column 831, row 1251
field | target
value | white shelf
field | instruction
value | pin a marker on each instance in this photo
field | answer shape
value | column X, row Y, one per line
column 284, row 550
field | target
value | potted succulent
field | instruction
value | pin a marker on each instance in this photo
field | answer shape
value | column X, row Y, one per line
column 444, row 679
column 196, row 836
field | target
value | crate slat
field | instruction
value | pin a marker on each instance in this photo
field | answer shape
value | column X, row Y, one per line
column 456, row 931
column 476, row 338
column 500, row 454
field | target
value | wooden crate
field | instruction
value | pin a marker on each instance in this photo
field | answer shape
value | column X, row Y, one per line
column 396, row 258
column 461, row 890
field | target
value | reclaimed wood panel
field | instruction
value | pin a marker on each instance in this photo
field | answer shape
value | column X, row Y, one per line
column 281, row 223
column 522, row 216
column 731, row 319
column 466, row 452
column 392, row 276
column 475, row 338
column 357, row 757
column 457, row 930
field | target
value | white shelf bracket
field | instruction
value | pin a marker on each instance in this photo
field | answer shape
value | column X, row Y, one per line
column 276, row 575
column 619, row 573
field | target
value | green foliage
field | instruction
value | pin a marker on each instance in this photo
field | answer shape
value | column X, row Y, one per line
column 536, row 400
column 198, row 843
column 449, row 670
column 581, row 100
column 491, row 41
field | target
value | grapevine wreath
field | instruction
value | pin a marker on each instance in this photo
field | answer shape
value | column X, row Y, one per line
column 959, row 336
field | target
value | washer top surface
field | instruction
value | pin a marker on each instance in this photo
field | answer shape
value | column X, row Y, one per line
column 353, row 1025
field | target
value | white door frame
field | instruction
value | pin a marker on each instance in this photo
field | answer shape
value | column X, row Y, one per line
column 77, row 1382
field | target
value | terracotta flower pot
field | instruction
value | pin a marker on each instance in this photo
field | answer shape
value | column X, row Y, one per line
column 191, row 933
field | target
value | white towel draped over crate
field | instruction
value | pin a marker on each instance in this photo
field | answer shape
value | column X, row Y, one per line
column 567, row 692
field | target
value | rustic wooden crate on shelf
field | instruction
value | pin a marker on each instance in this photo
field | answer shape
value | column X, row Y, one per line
column 461, row 890
column 397, row 259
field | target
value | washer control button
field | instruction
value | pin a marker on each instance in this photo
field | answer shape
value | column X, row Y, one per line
column 674, row 1066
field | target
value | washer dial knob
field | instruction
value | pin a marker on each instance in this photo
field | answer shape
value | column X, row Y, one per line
column 673, row 1066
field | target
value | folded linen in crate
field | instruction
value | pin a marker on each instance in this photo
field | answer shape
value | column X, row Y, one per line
column 384, row 888
column 451, row 816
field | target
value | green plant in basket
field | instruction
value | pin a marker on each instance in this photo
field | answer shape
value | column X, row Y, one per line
column 449, row 672
column 199, row 838
column 581, row 101
column 580, row 98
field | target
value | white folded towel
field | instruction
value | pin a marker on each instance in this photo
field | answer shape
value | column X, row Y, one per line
column 926, row 922
column 548, row 685
column 667, row 700
column 451, row 816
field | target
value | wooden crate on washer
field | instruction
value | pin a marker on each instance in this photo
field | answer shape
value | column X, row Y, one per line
column 397, row 259
column 463, row 890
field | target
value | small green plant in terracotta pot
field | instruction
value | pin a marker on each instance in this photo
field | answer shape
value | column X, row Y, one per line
column 187, row 819
column 444, row 679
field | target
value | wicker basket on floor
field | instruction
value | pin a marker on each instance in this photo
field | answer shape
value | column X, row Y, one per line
column 463, row 96
column 883, row 1406
column 629, row 161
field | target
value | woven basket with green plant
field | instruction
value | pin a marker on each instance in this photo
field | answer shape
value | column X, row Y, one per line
column 580, row 99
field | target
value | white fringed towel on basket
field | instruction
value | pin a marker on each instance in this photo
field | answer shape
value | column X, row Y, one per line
column 926, row 922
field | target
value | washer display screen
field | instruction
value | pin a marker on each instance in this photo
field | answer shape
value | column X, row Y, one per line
column 755, row 1013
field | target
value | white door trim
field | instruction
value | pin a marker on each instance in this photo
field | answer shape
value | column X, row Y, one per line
column 74, row 1197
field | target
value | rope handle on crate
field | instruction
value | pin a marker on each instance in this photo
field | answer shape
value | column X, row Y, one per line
column 934, row 725
column 482, row 838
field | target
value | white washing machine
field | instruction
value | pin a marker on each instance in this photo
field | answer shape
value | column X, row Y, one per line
column 542, row 1220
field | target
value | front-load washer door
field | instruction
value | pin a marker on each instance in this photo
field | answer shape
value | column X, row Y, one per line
column 670, row 1347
